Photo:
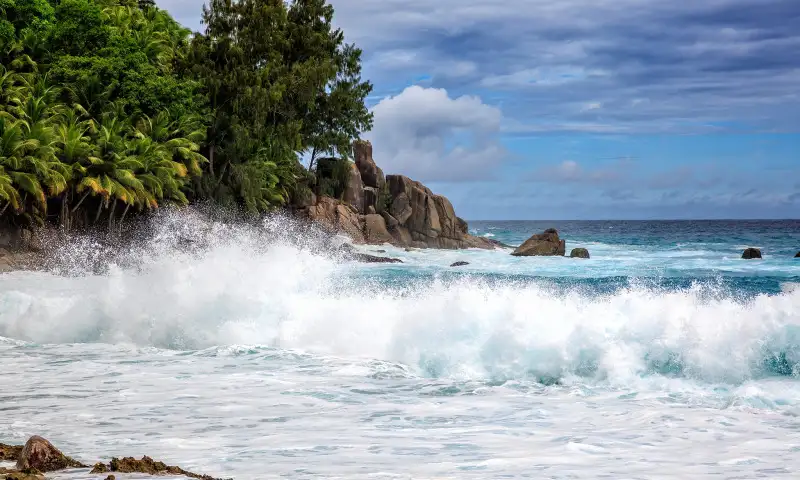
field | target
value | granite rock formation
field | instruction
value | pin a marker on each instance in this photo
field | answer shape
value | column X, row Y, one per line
column 542, row 244
column 579, row 253
column 392, row 209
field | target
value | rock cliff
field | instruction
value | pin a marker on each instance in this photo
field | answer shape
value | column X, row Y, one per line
column 392, row 209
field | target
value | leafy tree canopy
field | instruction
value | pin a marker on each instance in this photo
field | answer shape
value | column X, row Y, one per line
column 110, row 108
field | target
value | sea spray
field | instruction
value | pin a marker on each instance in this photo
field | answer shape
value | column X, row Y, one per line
column 193, row 282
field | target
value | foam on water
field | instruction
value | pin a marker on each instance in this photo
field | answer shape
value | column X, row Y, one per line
column 267, row 286
column 254, row 352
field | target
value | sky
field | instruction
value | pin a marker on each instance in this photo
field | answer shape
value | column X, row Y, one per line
column 583, row 109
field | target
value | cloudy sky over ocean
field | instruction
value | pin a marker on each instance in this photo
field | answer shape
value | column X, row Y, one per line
column 541, row 109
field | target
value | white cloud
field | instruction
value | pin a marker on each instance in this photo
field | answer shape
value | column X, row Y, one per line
column 429, row 136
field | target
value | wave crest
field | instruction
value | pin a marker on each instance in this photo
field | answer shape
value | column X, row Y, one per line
column 273, row 285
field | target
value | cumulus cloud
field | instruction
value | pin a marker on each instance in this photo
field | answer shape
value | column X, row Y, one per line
column 428, row 135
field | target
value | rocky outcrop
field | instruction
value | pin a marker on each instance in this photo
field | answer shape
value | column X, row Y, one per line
column 426, row 218
column 10, row 453
column 393, row 209
column 354, row 193
column 579, row 253
column 459, row 264
column 375, row 230
column 751, row 254
column 542, row 244
column 371, row 175
column 11, row 474
column 336, row 216
column 798, row 255
column 146, row 465
column 41, row 455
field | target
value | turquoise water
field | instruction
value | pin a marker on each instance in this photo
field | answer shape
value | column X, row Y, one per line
column 259, row 355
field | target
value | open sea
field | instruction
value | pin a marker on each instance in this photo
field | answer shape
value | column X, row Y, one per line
column 251, row 353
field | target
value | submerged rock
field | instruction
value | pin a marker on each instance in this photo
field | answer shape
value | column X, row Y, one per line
column 542, row 244
column 751, row 254
column 579, row 253
column 40, row 454
column 460, row 264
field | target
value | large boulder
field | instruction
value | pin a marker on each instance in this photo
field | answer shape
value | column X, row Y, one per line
column 375, row 230
column 579, row 253
column 337, row 217
column 370, row 198
column 542, row 244
column 751, row 254
column 354, row 194
column 370, row 173
column 41, row 455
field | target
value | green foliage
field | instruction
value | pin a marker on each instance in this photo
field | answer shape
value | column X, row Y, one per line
column 110, row 107
column 333, row 176
column 384, row 199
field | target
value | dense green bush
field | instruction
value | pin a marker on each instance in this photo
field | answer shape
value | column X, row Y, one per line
column 111, row 108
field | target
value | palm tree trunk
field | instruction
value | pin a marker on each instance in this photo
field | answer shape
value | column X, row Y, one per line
column 64, row 220
column 111, row 215
column 82, row 199
column 211, row 160
column 123, row 216
column 99, row 209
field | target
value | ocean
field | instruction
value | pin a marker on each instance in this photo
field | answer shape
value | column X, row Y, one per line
column 254, row 354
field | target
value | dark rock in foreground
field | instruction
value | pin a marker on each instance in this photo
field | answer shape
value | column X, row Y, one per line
column 365, row 258
column 41, row 455
column 10, row 453
column 751, row 254
column 145, row 465
column 798, row 255
column 459, row 264
column 31, row 474
column 579, row 253
column 542, row 244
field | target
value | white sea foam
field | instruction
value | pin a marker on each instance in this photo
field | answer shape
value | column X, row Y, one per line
column 267, row 286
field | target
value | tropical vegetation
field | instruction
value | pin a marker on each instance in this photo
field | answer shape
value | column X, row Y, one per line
column 110, row 108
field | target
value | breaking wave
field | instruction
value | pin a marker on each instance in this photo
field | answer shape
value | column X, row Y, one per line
column 191, row 283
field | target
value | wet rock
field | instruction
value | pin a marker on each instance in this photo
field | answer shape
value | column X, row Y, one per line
column 365, row 258
column 375, row 229
column 111, row 477
column 459, row 264
column 10, row 453
column 40, row 454
column 99, row 468
column 542, row 244
column 751, row 254
column 798, row 255
column 148, row 466
column 29, row 474
column 380, row 251
column 579, row 253
column 337, row 217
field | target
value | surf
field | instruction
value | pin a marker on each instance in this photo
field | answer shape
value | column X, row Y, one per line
column 194, row 283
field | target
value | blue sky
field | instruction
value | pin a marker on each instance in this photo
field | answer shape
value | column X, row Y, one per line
column 584, row 109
